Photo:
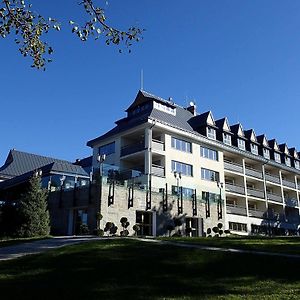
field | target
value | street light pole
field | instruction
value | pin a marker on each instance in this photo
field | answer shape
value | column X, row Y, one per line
column 220, row 186
column 179, row 195
column 100, row 158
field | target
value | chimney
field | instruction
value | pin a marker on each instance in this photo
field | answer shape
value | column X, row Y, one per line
column 192, row 108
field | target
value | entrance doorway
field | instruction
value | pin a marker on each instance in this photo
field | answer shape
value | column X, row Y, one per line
column 193, row 226
column 144, row 219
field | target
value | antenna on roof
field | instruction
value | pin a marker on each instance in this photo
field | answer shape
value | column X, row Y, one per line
column 142, row 79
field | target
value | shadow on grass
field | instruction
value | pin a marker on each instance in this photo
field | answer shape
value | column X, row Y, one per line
column 127, row 269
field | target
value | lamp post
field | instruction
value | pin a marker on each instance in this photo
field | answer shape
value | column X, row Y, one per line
column 177, row 175
column 220, row 186
column 62, row 179
column 100, row 159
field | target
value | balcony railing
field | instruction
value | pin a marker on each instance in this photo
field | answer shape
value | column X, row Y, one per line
column 235, row 188
column 253, row 172
column 133, row 148
column 236, row 210
column 228, row 165
column 158, row 170
column 272, row 178
column 292, row 202
column 255, row 193
column 274, row 197
column 158, row 145
column 257, row 213
column 288, row 183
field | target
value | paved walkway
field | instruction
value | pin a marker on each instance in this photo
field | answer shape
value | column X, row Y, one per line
column 19, row 250
column 14, row 251
column 230, row 250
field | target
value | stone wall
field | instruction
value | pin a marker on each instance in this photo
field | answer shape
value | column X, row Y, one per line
column 62, row 206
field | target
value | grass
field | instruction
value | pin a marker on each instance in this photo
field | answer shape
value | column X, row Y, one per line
column 14, row 241
column 287, row 245
column 130, row 269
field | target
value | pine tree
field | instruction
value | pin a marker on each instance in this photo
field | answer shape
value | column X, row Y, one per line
column 34, row 215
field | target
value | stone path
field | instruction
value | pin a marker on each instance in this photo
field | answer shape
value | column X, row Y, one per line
column 19, row 250
column 230, row 250
column 14, row 251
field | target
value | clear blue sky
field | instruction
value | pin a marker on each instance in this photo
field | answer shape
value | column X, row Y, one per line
column 238, row 58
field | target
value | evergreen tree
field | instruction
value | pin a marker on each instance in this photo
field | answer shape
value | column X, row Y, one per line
column 34, row 215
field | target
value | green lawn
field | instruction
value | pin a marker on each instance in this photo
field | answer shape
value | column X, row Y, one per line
column 129, row 269
column 288, row 245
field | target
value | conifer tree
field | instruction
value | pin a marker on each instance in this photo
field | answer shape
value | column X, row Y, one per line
column 34, row 215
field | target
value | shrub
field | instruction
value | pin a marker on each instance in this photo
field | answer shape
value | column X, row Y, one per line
column 136, row 228
column 83, row 229
column 208, row 230
column 227, row 231
column 221, row 232
column 215, row 229
column 220, row 225
column 98, row 232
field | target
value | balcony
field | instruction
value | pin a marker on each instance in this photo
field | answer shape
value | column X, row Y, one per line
column 133, row 148
column 228, row 165
column 288, row 183
column 272, row 178
column 229, row 187
column 291, row 202
column 236, row 210
column 255, row 193
column 253, row 172
column 158, row 145
column 292, row 219
column 274, row 197
column 257, row 213
column 158, row 170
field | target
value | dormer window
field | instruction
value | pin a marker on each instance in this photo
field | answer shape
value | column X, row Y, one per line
column 287, row 161
column 277, row 157
column 211, row 133
column 241, row 144
column 254, row 149
column 227, row 139
column 297, row 164
column 266, row 153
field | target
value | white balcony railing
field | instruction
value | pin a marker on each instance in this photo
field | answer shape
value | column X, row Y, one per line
column 231, row 166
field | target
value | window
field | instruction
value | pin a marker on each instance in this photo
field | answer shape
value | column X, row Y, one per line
column 165, row 108
column 107, row 149
column 277, row 157
column 181, row 145
column 238, row 226
column 182, row 168
column 210, row 175
column 297, row 164
column 254, row 148
column 208, row 153
column 241, row 144
column 288, row 161
column 211, row 133
column 266, row 153
column 186, row 192
column 227, row 138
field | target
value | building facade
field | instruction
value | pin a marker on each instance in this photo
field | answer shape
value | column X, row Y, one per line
column 164, row 148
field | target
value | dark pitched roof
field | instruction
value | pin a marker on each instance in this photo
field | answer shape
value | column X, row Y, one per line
column 284, row 148
column 294, row 152
column 143, row 97
column 18, row 163
column 180, row 120
column 222, row 124
column 202, row 120
column 273, row 144
column 250, row 133
column 261, row 138
column 235, row 129
column 85, row 162
column 65, row 168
